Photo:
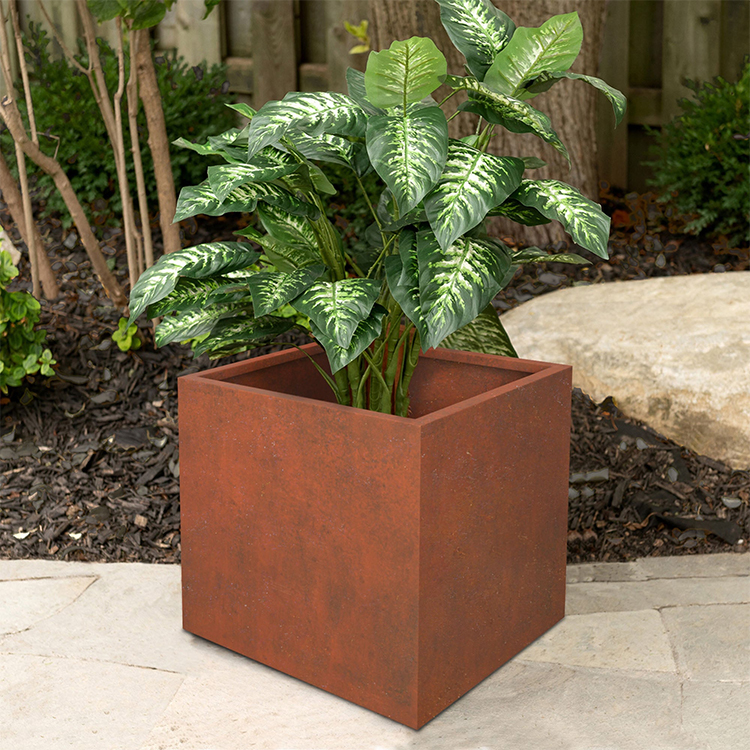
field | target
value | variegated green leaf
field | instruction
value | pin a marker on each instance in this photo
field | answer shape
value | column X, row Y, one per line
column 193, row 323
column 535, row 255
column 546, row 80
column 406, row 72
column 516, row 211
column 471, row 184
column 286, row 228
column 244, row 109
column 196, row 262
column 333, row 149
column 552, row 46
column 386, row 213
column 408, row 150
column 270, row 290
column 583, row 219
column 515, row 115
column 231, row 154
column 485, row 334
column 239, row 333
column 287, row 257
column 457, row 283
column 402, row 276
column 224, row 178
column 195, row 294
column 200, row 199
column 366, row 332
column 533, row 162
column 338, row 307
column 477, row 29
column 355, row 84
column 314, row 113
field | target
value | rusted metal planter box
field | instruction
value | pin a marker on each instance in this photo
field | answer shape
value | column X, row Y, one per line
column 395, row 562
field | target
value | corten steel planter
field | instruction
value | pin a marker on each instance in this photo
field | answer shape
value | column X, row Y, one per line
column 395, row 562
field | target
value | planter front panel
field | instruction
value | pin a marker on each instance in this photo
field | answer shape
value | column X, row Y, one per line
column 493, row 530
column 300, row 538
column 394, row 562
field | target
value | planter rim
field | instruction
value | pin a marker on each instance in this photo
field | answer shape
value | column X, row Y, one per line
column 532, row 370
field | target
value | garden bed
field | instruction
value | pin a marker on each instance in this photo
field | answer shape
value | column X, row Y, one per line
column 89, row 463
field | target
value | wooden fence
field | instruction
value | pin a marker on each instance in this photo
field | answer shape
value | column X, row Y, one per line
column 273, row 46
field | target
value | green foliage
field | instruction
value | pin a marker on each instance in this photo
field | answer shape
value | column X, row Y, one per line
column 125, row 336
column 410, row 249
column 702, row 159
column 71, row 126
column 22, row 351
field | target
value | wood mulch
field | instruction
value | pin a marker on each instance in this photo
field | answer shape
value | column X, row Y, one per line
column 89, row 460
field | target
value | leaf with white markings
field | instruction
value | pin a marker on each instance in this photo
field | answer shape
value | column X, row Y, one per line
column 338, row 307
column 471, row 184
column 196, row 262
column 365, row 333
column 313, row 113
column 333, row 149
column 516, row 211
column 286, row 228
column 224, row 178
column 500, row 109
column 402, row 276
column 287, row 257
column 355, row 84
column 457, row 283
column 408, row 150
column 200, row 199
column 478, row 30
column 535, row 255
column 553, row 46
column 195, row 294
column 193, row 323
column 485, row 334
column 406, row 72
column 237, row 334
column 270, row 290
column 546, row 80
column 583, row 219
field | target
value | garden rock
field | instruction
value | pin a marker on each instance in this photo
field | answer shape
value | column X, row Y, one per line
column 673, row 352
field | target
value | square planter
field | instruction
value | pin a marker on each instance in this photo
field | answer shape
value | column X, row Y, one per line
column 395, row 562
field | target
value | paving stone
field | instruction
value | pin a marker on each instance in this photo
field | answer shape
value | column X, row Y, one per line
column 132, row 615
column 25, row 602
column 717, row 713
column 608, row 640
column 711, row 643
column 619, row 596
column 47, row 703
column 695, row 566
column 588, row 572
column 531, row 706
column 680, row 367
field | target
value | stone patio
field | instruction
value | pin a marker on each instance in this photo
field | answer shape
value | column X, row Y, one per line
column 652, row 655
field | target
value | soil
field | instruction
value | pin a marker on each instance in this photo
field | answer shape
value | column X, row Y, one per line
column 89, row 459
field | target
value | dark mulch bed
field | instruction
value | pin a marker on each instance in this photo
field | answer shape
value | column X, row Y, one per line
column 89, row 462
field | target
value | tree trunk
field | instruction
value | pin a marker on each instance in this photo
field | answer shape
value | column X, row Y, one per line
column 158, row 142
column 569, row 104
column 14, row 201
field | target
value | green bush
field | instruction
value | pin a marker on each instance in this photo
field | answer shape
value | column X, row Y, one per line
column 702, row 159
column 70, row 125
column 22, row 351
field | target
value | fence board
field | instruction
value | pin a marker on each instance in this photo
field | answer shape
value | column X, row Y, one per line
column 692, row 44
column 735, row 37
column 238, row 21
column 274, row 50
column 198, row 39
column 340, row 41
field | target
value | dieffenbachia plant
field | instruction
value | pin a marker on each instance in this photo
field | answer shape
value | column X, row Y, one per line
column 433, row 271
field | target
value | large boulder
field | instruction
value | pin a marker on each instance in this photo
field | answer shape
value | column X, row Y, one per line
column 673, row 352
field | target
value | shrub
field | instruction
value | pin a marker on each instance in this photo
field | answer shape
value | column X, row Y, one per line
column 70, row 123
column 702, row 158
column 22, row 351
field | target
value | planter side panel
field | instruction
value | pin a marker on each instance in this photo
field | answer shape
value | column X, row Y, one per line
column 492, row 533
column 300, row 524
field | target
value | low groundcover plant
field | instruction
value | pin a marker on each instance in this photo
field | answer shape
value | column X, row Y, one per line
column 434, row 271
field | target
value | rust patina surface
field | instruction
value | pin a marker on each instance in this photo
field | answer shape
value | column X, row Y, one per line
column 395, row 562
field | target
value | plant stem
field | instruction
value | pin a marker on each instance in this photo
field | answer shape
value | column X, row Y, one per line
column 402, row 395
column 326, row 377
column 342, row 385
column 353, row 373
column 445, row 99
